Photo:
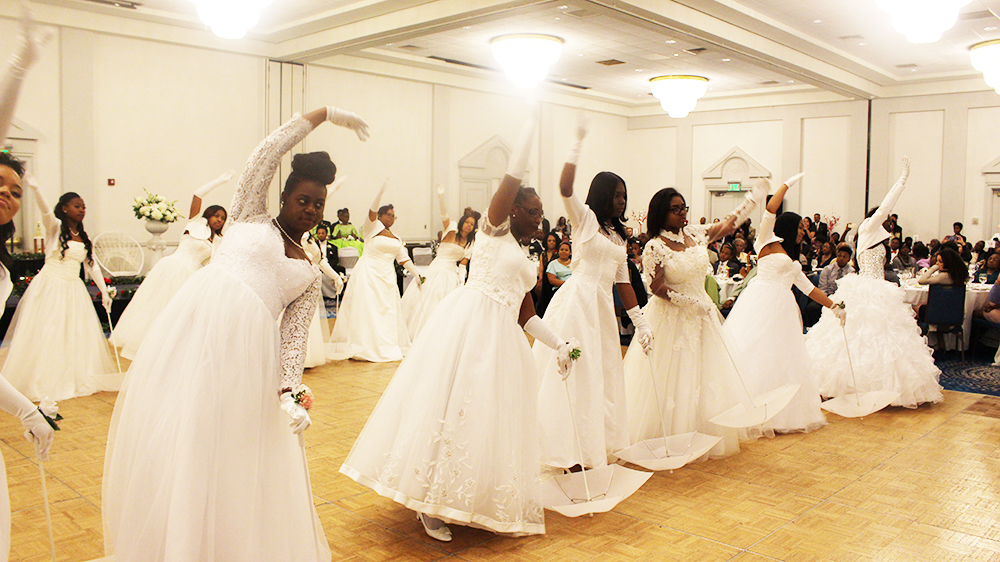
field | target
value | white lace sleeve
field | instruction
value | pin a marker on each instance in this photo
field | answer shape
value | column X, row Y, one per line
column 294, row 331
column 698, row 233
column 250, row 199
column 654, row 254
column 495, row 231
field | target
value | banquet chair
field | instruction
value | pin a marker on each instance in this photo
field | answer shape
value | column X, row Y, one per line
column 946, row 311
column 422, row 255
column 348, row 256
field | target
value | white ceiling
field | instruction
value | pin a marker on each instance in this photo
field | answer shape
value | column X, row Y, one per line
column 772, row 45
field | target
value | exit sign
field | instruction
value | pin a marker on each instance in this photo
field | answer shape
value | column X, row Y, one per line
column 734, row 186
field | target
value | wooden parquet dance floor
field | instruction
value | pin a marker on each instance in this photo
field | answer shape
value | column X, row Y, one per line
column 898, row 485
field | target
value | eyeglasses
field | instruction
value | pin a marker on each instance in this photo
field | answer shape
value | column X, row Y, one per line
column 535, row 213
column 679, row 210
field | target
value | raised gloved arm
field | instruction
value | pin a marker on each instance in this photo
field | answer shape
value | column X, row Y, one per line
column 38, row 431
column 373, row 209
column 348, row 119
column 30, row 46
column 540, row 330
column 569, row 169
column 204, row 190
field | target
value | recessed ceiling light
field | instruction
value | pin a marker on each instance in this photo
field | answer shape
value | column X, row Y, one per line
column 638, row 70
column 725, row 60
column 817, row 21
column 557, row 19
column 862, row 44
column 580, row 55
column 563, row 7
column 676, row 55
column 791, row 81
column 913, row 70
column 990, row 28
column 466, row 27
column 670, row 41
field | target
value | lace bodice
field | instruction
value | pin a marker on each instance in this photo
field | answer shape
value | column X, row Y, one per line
column 683, row 272
column 499, row 268
column 872, row 262
column 254, row 252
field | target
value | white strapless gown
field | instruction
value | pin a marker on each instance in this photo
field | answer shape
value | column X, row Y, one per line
column 442, row 278
column 57, row 347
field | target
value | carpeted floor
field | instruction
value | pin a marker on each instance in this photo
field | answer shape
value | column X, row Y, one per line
column 974, row 374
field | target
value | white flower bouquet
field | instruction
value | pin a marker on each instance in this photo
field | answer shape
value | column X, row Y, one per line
column 155, row 208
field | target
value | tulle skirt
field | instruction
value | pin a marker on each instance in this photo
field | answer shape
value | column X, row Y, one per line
column 419, row 302
column 886, row 348
column 369, row 325
column 201, row 465
column 695, row 379
column 57, row 347
column 582, row 310
column 766, row 328
column 453, row 436
column 319, row 332
column 148, row 302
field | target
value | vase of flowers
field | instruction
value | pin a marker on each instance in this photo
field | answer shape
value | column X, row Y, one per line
column 158, row 214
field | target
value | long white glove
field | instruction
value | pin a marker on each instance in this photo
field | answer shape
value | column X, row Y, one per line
column 300, row 417
column 441, row 203
column 338, row 281
column 98, row 277
column 754, row 198
column 376, row 203
column 642, row 330
column 333, row 187
column 581, row 131
column 463, row 272
column 204, row 190
column 794, row 179
column 541, row 332
column 31, row 43
column 38, row 431
column 840, row 312
column 348, row 119
column 417, row 278
column 522, row 149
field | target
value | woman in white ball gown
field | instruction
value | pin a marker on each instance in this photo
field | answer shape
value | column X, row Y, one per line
column 370, row 326
column 443, row 273
column 161, row 283
column 886, row 348
column 695, row 377
column 766, row 324
column 583, row 308
column 57, row 346
column 201, row 464
column 452, row 437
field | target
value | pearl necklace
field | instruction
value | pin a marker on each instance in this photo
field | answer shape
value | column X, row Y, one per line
column 678, row 237
column 290, row 239
column 73, row 233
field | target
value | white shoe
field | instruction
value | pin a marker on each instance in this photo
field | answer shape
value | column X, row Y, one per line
column 441, row 532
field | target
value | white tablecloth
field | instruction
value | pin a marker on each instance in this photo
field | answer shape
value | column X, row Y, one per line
column 975, row 297
column 726, row 287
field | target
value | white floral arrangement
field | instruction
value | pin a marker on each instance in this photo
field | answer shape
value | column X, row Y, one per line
column 155, row 208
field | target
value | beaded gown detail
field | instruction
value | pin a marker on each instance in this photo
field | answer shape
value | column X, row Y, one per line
column 696, row 378
column 886, row 347
column 201, row 465
column 452, row 434
column 583, row 308
column 160, row 285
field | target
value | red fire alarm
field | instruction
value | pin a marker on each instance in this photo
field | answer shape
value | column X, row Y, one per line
column 111, row 181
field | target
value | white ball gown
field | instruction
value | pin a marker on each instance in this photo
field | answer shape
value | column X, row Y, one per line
column 442, row 278
column 201, row 465
column 696, row 379
column 161, row 283
column 369, row 324
column 766, row 326
column 57, row 347
column 583, row 308
column 319, row 331
column 453, row 434
column 886, row 348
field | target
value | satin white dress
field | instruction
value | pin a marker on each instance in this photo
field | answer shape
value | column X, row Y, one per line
column 161, row 284
column 369, row 324
column 6, row 286
column 452, row 435
column 583, row 309
column 57, row 347
column 201, row 464
column 695, row 376
column 442, row 278
column 766, row 326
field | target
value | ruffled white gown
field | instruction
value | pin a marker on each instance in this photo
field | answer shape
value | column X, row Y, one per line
column 369, row 324
column 160, row 285
column 696, row 379
column 201, row 464
column 766, row 327
column 583, row 308
column 442, row 278
column 57, row 347
column 886, row 348
column 453, row 434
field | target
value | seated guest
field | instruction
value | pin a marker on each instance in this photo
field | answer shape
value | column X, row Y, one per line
column 833, row 272
column 988, row 272
column 894, row 245
column 634, row 252
column 991, row 308
column 903, row 259
column 835, row 239
column 558, row 270
column 949, row 269
column 827, row 255
column 740, row 247
column 979, row 252
column 727, row 265
column 933, row 246
column 922, row 254
column 957, row 236
column 728, row 304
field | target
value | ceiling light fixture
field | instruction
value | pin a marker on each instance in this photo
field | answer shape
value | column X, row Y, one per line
column 986, row 59
column 526, row 57
column 230, row 19
column 678, row 94
column 923, row 21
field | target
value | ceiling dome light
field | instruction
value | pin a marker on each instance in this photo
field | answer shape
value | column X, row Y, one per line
column 678, row 94
column 230, row 19
column 986, row 59
column 923, row 21
column 526, row 57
